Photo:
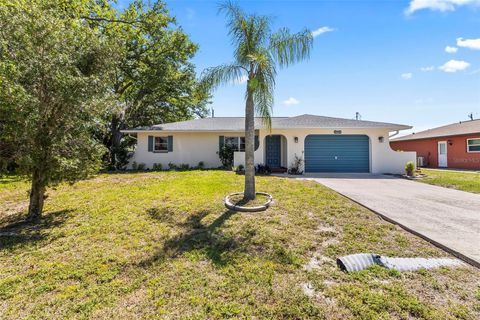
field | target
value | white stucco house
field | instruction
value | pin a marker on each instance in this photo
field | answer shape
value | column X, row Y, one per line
column 325, row 144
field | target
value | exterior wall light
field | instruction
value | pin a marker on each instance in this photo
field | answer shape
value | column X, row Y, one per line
column 450, row 142
column 380, row 139
column 295, row 139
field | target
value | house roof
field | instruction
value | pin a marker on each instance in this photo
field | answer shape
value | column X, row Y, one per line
column 238, row 124
column 454, row 129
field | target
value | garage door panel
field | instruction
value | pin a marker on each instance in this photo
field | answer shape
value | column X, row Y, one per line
column 337, row 153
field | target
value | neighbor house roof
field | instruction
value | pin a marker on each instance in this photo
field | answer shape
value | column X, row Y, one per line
column 454, row 129
column 238, row 124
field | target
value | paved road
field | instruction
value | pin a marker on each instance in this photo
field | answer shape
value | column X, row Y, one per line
column 448, row 217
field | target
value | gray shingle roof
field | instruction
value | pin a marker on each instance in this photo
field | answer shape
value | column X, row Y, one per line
column 454, row 129
column 312, row 121
column 238, row 124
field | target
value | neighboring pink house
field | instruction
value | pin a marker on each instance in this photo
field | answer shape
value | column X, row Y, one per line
column 455, row 145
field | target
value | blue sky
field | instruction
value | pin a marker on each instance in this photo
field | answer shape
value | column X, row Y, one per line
column 387, row 60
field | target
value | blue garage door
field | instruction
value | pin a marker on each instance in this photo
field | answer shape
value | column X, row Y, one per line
column 337, row 153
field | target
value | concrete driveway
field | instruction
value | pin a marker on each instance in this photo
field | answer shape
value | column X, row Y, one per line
column 449, row 218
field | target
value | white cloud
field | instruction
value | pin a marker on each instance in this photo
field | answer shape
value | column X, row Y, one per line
column 423, row 101
column 449, row 49
column 454, row 66
column 190, row 14
column 475, row 71
column 291, row 101
column 469, row 43
column 438, row 5
column 241, row 80
column 322, row 30
column 427, row 69
column 407, row 76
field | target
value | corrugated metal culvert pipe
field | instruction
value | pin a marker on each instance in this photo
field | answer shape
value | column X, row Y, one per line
column 361, row 261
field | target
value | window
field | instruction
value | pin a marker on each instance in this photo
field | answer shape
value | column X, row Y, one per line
column 473, row 145
column 161, row 144
column 237, row 143
column 443, row 147
column 242, row 143
column 232, row 142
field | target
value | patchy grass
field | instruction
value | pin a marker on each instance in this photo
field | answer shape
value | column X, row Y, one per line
column 465, row 181
column 162, row 245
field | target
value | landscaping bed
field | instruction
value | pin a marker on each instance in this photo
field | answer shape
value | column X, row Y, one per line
column 237, row 199
column 236, row 202
column 162, row 245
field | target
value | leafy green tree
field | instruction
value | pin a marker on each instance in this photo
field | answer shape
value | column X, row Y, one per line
column 52, row 63
column 257, row 51
column 152, row 80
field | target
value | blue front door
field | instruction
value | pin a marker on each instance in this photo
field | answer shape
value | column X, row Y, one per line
column 273, row 146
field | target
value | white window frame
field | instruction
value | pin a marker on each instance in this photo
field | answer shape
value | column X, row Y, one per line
column 468, row 146
column 239, row 148
column 161, row 143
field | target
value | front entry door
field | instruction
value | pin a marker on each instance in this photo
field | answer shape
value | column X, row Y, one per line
column 442, row 154
column 273, row 151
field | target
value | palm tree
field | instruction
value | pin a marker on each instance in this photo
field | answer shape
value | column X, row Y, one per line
column 258, row 52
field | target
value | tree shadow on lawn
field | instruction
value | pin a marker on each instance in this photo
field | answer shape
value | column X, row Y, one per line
column 195, row 236
column 7, row 179
column 15, row 231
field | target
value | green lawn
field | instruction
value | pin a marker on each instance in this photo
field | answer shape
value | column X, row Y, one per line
column 162, row 245
column 466, row 181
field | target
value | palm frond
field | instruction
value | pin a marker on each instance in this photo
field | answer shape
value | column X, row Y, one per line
column 248, row 33
column 232, row 10
column 265, row 73
column 287, row 48
column 236, row 23
column 263, row 100
column 257, row 32
column 263, row 60
column 212, row 78
column 261, row 30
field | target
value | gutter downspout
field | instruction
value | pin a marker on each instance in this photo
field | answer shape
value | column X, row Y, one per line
column 131, row 136
column 393, row 135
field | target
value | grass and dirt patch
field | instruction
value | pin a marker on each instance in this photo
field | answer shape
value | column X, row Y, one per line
column 162, row 245
column 465, row 181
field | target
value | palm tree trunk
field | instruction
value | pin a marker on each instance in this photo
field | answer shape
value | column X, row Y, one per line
column 249, row 192
column 37, row 196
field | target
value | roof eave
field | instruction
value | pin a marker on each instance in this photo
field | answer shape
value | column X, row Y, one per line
column 434, row 137
column 166, row 130
column 391, row 128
